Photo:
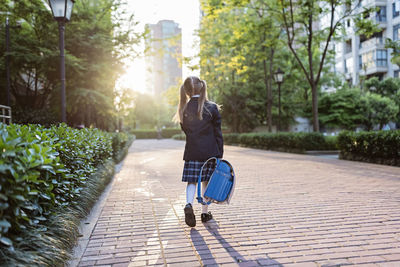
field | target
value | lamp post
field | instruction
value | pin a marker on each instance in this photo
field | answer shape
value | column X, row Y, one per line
column 62, row 10
column 8, row 60
column 278, row 76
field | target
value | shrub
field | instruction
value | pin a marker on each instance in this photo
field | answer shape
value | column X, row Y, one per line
column 51, row 244
column 382, row 147
column 231, row 138
column 45, row 169
column 290, row 142
column 27, row 115
column 32, row 178
column 181, row 136
column 153, row 134
column 169, row 132
column 119, row 142
column 145, row 134
column 331, row 143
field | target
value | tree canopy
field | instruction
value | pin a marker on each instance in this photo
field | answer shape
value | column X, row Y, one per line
column 97, row 39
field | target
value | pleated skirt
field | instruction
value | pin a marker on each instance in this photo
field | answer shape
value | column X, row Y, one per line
column 191, row 171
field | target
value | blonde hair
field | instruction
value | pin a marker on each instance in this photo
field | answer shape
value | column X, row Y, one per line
column 191, row 86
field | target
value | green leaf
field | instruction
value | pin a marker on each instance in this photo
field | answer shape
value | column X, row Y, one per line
column 5, row 224
column 3, row 197
column 19, row 197
column 6, row 241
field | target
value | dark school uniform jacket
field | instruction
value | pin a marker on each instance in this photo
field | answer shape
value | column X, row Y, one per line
column 203, row 137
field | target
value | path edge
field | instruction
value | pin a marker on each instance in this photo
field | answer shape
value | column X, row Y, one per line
column 87, row 225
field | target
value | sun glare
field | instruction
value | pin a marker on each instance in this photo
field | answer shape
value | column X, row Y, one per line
column 152, row 11
column 134, row 76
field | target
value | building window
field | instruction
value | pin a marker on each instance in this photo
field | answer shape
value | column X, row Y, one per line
column 381, row 58
column 396, row 74
column 348, row 46
column 395, row 11
column 381, row 14
column 360, row 62
column 368, row 60
column 396, row 32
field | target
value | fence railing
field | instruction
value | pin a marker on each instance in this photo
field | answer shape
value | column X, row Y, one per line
column 5, row 114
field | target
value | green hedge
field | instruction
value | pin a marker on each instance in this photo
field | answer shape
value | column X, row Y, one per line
column 179, row 136
column 144, row 134
column 152, row 134
column 169, row 132
column 382, row 147
column 289, row 142
column 120, row 142
column 45, row 170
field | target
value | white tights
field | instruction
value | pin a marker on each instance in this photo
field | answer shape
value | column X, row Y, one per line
column 191, row 191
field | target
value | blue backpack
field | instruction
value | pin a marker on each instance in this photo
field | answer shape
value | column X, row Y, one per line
column 221, row 185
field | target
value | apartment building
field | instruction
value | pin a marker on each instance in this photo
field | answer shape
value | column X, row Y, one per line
column 164, row 51
column 359, row 57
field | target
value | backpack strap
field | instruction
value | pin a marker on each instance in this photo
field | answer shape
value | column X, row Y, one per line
column 199, row 197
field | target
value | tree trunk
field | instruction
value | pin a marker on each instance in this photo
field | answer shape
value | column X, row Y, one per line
column 315, row 107
column 268, row 85
column 235, row 122
column 269, row 96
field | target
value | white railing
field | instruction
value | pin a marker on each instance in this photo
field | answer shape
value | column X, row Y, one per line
column 371, row 42
column 5, row 114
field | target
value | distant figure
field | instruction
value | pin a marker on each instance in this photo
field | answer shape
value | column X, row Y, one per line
column 200, row 120
column 159, row 136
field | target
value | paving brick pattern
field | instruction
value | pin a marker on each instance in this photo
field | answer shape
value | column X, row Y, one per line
column 288, row 210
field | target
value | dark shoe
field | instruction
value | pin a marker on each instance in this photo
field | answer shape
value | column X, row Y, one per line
column 190, row 219
column 205, row 217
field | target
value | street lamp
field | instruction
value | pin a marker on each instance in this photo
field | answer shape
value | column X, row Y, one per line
column 62, row 10
column 278, row 76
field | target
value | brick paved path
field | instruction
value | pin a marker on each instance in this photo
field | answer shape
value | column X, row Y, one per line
column 288, row 210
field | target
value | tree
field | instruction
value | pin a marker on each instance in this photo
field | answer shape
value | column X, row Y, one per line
column 264, row 26
column 395, row 46
column 341, row 109
column 387, row 87
column 226, row 60
column 96, row 45
column 124, row 102
column 377, row 110
column 309, row 41
column 33, row 59
column 240, row 43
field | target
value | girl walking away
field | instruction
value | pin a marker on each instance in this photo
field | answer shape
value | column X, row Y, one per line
column 201, row 122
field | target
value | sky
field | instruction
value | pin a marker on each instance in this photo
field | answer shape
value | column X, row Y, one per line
column 185, row 12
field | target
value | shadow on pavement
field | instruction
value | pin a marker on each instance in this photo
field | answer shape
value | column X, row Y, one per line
column 201, row 247
column 208, row 259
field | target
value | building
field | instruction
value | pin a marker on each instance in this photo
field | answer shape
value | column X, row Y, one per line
column 359, row 57
column 163, row 56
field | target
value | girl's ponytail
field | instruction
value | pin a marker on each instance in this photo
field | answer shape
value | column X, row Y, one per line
column 202, row 99
column 182, row 103
column 191, row 86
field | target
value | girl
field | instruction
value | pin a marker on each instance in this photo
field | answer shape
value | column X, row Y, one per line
column 201, row 122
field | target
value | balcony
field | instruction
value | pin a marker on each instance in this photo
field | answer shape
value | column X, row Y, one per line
column 376, row 42
column 375, row 61
column 374, row 67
